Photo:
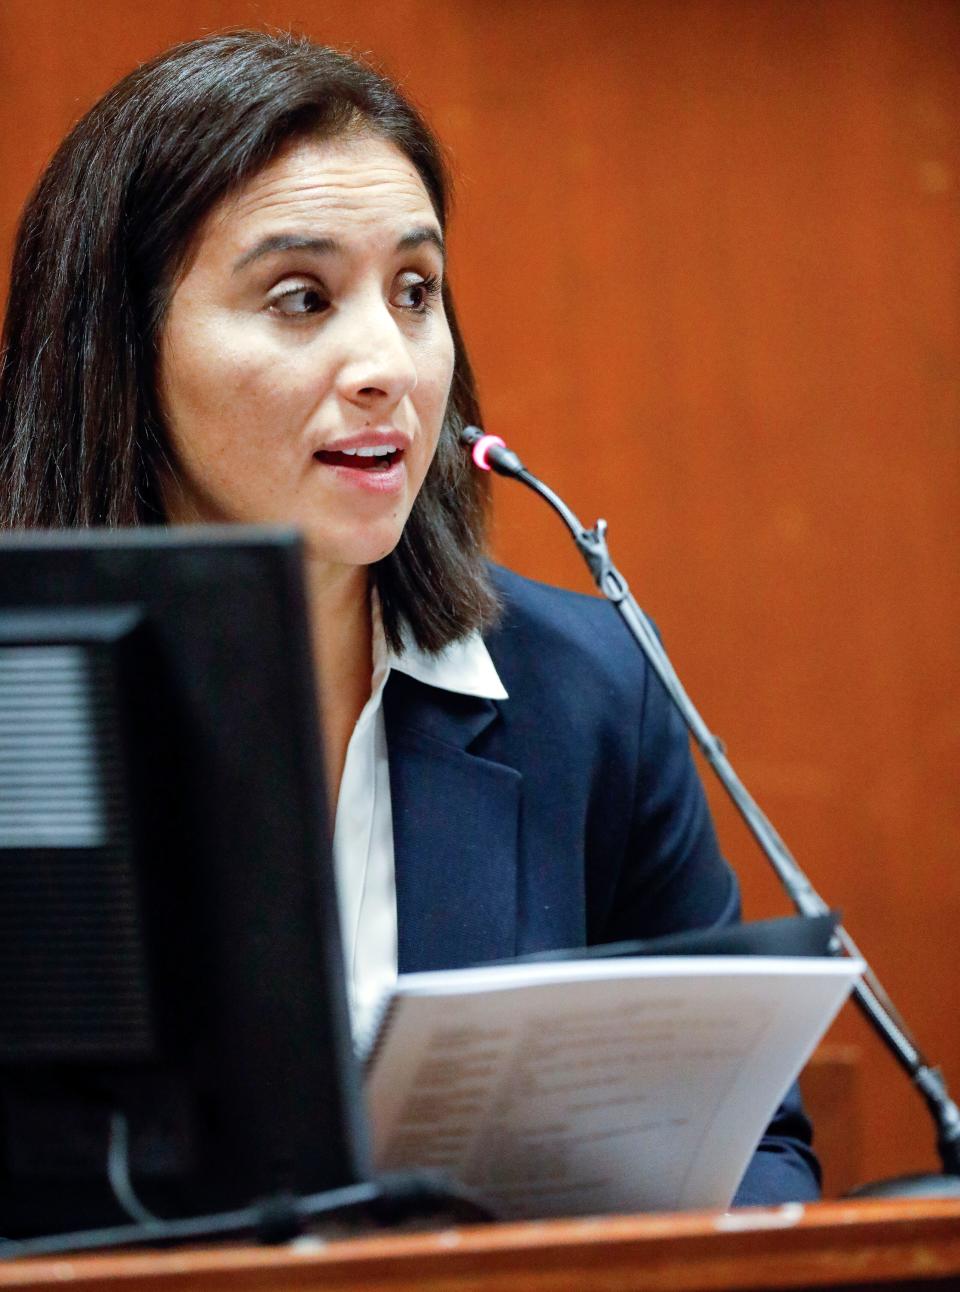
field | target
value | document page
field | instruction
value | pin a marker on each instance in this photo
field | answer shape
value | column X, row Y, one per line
column 581, row 1087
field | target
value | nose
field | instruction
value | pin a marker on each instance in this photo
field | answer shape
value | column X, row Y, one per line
column 377, row 366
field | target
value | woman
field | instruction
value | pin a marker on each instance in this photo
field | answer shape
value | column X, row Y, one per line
column 228, row 304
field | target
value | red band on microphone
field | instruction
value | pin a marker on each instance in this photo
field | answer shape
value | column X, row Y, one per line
column 483, row 447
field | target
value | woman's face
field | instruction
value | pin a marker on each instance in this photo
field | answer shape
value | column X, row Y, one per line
column 306, row 359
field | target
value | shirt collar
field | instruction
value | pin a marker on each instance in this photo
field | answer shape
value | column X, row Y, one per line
column 464, row 666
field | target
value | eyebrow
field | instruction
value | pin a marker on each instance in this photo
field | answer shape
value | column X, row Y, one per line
column 417, row 237
column 329, row 246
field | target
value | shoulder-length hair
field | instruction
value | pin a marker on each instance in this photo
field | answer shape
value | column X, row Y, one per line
column 99, row 250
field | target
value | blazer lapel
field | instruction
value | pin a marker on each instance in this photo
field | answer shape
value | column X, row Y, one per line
column 455, row 829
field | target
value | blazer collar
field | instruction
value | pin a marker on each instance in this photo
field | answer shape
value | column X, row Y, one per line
column 455, row 827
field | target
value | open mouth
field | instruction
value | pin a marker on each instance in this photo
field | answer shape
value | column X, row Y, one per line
column 360, row 459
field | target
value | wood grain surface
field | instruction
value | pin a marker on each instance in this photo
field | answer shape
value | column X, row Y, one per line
column 843, row 1245
column 707, row 254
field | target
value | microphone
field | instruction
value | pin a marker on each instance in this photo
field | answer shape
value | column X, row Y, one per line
column 490, row 453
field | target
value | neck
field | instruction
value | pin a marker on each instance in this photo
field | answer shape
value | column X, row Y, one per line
column 342, row 652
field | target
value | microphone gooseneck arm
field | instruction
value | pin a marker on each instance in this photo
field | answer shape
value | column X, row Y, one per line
column 491, row 454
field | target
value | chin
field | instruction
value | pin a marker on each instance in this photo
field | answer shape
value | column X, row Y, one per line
column 364, row 548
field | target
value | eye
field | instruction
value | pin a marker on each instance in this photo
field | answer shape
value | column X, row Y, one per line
column 416, row 294
column 299, row 301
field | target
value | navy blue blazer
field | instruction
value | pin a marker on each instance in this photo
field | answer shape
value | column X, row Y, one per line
column 567, row 815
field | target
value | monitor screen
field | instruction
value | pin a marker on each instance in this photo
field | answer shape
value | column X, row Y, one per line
column 169, row 945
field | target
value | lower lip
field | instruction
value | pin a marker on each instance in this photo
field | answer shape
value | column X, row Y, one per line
column 376, row 480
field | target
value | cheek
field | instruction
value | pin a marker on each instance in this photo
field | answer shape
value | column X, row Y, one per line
column 220, row 391
column 433, row 389
column 436, row 375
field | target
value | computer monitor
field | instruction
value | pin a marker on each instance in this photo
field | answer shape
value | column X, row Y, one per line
column 169, row 942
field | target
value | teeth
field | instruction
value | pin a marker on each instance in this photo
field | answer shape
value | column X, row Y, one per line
column 371, row 451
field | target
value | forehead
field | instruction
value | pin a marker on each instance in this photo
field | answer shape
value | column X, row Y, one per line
column 346, row 185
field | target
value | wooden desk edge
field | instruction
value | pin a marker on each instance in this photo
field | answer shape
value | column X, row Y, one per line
column 819, row 1245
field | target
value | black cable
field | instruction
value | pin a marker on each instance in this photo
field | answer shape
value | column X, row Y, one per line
column 257, row 1219
column 118, row 1173
column 279, row 1218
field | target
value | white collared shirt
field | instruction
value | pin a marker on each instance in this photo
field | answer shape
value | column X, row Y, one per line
column 363, row 833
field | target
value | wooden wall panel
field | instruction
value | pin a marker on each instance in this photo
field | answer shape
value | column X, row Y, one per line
column 708, row 259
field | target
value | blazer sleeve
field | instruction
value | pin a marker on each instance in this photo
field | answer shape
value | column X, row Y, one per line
column 676, row 878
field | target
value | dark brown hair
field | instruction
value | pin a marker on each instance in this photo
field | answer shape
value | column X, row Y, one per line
column 100, row 245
